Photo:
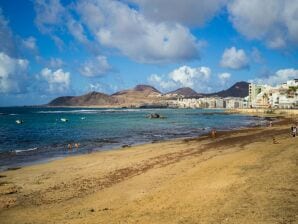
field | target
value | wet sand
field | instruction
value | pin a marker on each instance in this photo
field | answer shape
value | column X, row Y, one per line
column 244, row 176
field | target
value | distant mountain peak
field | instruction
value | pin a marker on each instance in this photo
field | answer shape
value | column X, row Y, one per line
column 93, row 93
column 184, row 91
column 143, row 87
column 138, row 89
column 239, row 89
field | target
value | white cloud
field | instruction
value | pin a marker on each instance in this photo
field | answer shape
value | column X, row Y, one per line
column 281, row 76
column 120, row 27
column 98, row 87
column 103, row 87
column 191, row 12
column 256, row 55
column 13, row 74
column 185, row 76
column 162, row 82
column 55, row 63
column 49, row 13
column 77, row 30
column 30, row 44
column 95, row 67
column 275, row 22
column 6, row 37
column 224, row 77
column 58, row 81
column 53, row 18
column 115, row 25
column 234, row 59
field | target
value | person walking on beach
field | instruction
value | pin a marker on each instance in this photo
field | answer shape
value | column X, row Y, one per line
column 213, row 133
column 76, row 145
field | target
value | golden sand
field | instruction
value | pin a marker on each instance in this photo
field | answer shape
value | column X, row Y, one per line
column 238, row 177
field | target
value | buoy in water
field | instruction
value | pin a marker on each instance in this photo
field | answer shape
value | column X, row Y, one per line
column 19, row 121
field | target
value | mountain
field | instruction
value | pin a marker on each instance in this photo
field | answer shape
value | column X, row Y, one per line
column 146, row 88
column 143, row 90
column 142, row 96
column 239, row 89
column 183, row 92
column 138, row 96
column 89, row 99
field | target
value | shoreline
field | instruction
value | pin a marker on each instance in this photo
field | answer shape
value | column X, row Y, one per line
column 266, row 111
column 119, row 146
column 147, row 183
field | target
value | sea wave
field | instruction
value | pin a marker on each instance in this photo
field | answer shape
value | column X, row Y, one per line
column 65, row 111
column 84, row 111
column 5, row 114
column 25, row 150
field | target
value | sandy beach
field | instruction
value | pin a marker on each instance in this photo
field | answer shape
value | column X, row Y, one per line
column 244, row 176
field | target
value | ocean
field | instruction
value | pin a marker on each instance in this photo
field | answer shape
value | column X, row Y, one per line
column 44, row 133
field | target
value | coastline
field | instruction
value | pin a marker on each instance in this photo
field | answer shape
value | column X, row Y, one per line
column 266, row 111
column 147, row 183
column 43, row 151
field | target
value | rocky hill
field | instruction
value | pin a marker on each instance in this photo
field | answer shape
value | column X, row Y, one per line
column 239, row 89
column 89, row 99
column 142, row 96
column 138, row 96
column 139, row 91
column 183, row 92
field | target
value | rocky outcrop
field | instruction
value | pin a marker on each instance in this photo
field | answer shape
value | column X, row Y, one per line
column 155, row 116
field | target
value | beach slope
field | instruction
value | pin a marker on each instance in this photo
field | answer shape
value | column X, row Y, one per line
column 242, row 176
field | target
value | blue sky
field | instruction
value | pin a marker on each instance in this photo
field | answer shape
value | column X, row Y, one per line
column 50, row 48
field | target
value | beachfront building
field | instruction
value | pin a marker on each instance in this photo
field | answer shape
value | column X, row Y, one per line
column 282, row 96
column 260, row 96
column 220, row 103
column 262, row 100
column 245, row 102
column 254, row 91
column 209, row 102
column 234, row 102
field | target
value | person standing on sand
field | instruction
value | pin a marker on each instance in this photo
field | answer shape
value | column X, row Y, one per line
column 294, row 131
column 213, row 133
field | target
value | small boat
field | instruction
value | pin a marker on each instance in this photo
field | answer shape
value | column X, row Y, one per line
column 64, row 119
column 83, row 118
column 19, row 121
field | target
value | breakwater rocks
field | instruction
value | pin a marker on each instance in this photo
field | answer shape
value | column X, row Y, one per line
column 155, row 116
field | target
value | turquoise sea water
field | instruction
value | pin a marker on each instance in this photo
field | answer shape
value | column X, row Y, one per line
column 43, row 135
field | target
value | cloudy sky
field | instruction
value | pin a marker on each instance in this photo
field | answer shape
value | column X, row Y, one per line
column 50, row 48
